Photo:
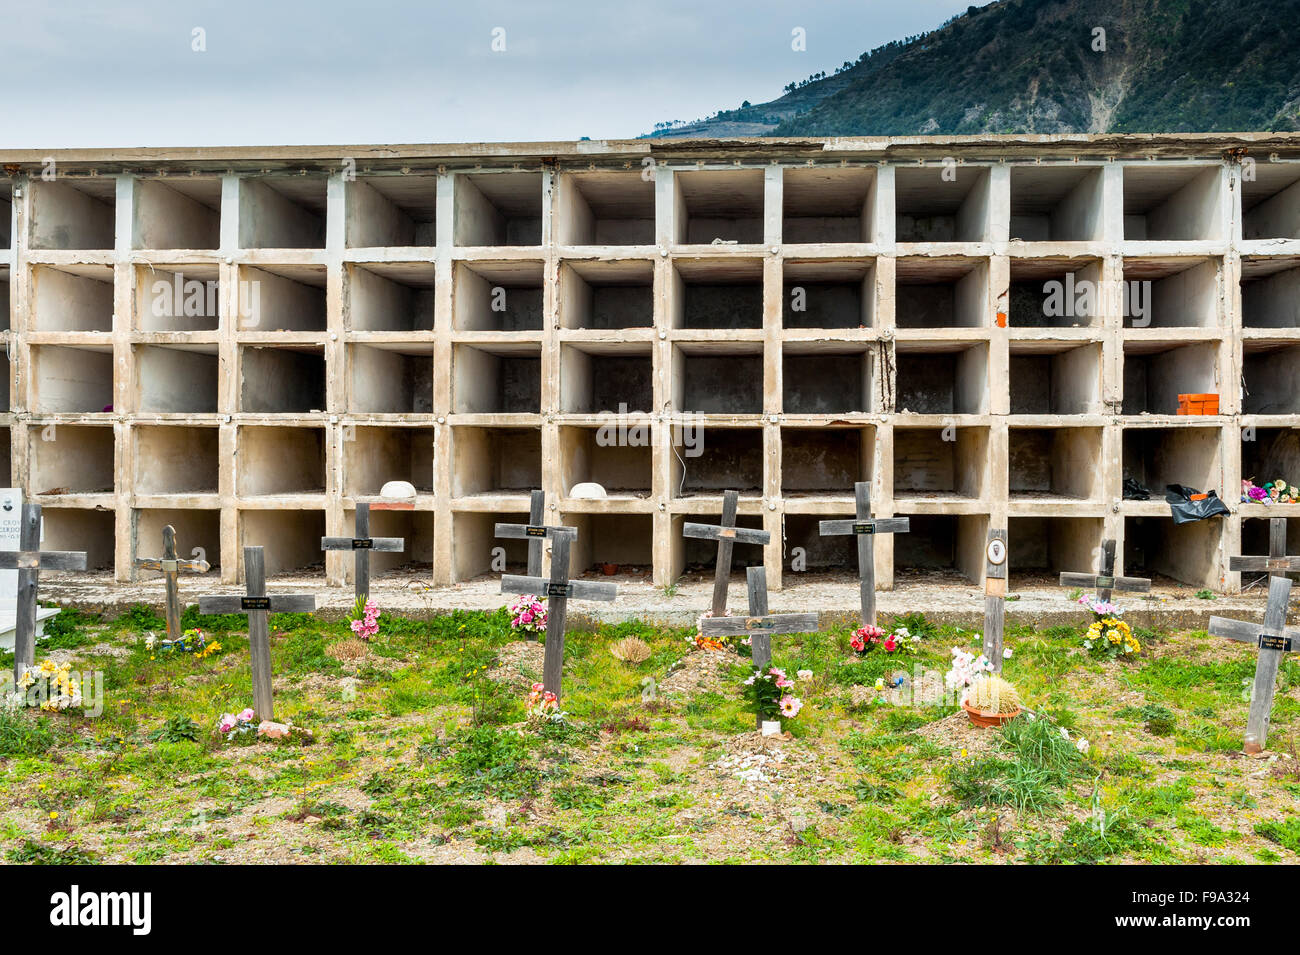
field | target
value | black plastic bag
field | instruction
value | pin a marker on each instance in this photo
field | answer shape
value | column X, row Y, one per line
column 1133, row 491
column 1186, row 510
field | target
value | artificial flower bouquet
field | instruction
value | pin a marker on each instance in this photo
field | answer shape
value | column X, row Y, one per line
column 543, row 707
column 528, row 614
column 1111, row 638
column 192, row 641
column 238, row 725
column 772, row 695
column 49, row 686
column 965, row 669
column 899, row 640
column 364, row 618
column 1274, row 492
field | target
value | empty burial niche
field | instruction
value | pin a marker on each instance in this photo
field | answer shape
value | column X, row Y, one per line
column 282, row 380
column 938, row 203
column 177, row 378
column 67, row 214
column 1156, row 547
column 198, row 536
column 290, row 539
column 1056, row 203
column 72, row 298
column 497, row 297
column 606, row 378
column 1172, row 293
column 711, row 379
column 91, row 530
column 937, row 463
column 6, row 456
column 1056, row 292
column 495, row 461
column 177, row 213
column 282, row 298
column 828, row 294
column 1270, row 375
column 610, row 544
column 394, row 210
column 718, row 205
column 1054, row 378
column 71, row 378
column 72, row 459
column 176, row 459
column 1254, row 540
column 4, row 296
column 828, row 205
column 709, row 460
column 818, row 462
column 606, row 295
column 1268, row 454
column 1157, row 372
column 497, row 379
column 479, row 551
column 1039, row 548
column 499, row 208
column 390, row 297
column 940, row 548
column 278, row 461
column 1156, row 457
column 619, row 459
column 282, row 212
column 1270, row 202
column 949, row 292
column 373, row 456
column 717, row 293
column 941, row 378
column 414, row 527
column 1270, row 292
column 1171, row 202
column 178, row 298
column 1054, row 463
column 822, row 378
column 390, row 378
column 814, row 553
column 700, row 556
column 605, row 208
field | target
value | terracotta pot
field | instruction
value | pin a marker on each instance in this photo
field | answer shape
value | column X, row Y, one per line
column 609, row 570
column 987, row 720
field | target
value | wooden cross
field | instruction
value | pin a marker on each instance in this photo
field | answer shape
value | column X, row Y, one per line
column 759, row 625
column 1273, row 639
column 29, row 560
column 864, row 527
column 1106, row 581
column 558, row 591
column 535, row 531
column 995, row 596
column 1276, row 563
column 726, row 534
column 171, row 569
column 361, row 544
column 258, row 604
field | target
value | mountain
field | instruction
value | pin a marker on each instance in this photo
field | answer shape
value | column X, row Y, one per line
column 1042, row 66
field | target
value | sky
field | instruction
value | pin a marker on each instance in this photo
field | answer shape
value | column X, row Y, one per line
column 183, row 73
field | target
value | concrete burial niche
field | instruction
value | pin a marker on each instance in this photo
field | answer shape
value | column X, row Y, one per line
column 1188, row 455
column 1173, row 292
column 1270, row 375
column 75, row 379
column 1172, row 202
column 826, row 461
column 1039, row 547
column 1270, row 200
column 282, row 379
column 176, row 212
column 949, row 292
column 80, row 529
column 1054, row 378
column 941, row 202
column 717, row 459
column 723, row 205
column 828, row 293
column 605, row 208
column 606, row 377
column 826, row 378
column 6, row 215
column 828, row 205
column 624, row 468
column 498, row 208
column 72, row 213
column 1054, row 463
column 414, row 527
column 1057, row 203
column 282, row 212
column 717, row 293
column 176, row 459
column 389, row 297
column 177, row 298
column 940, row 548
column 936, row 463
column 819, row 555
column 1055, row 292
column 701, row 555
column 498, row 297
column 1270, row 292
column 1254, row 540
column 6, row 455
column 282, row 298
column 290, row 539
column 624, row 540
column 198, row 537
column 477, row 544
column 1157, row 371
column 375, row 455
column 390, row 378
column 1270, row 453
column 718, row 377
column 497, row 379
column 391, row 210
column 73, row 459
column 177, row 378
column 606, row 294
column 488, row 461
column 1187, row 553
column 5, row 296
column 941, row 378
column 72, row 298
column 278, row 461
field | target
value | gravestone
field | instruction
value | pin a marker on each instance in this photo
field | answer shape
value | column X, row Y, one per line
column 864, row 527
column 361, row 544
column 171, row 569
column 726, row 534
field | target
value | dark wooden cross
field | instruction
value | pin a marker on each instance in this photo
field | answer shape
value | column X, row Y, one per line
column 535, row 532
column 1105, row 581
column 864, row 527
column 171, row 569
column 558, row 591
column 361, row 544
column 1273, row 639
column 258, row 604
column 726, row 534
column 995, row 596
column 759, row 625
column 1276, row 563
column 29, row 560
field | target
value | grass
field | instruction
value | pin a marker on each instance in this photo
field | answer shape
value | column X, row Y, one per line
column 422, row 753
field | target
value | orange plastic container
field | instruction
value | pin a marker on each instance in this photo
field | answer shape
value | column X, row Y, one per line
column 1198, row 404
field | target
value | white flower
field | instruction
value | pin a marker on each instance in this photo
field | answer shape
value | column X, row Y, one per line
column 1065, row 734
column 1006, row 653
column 804, row 674
column 1081, row 745
column 150, row 641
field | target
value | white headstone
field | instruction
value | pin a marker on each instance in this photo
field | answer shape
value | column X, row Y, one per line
column 587, row 490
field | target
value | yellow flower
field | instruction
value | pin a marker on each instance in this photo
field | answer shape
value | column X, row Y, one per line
column 54, row 815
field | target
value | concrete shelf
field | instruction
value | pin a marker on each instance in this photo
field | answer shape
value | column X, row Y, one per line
column 707, row 379
column 282, row 298
column 941, row 547
column 722, row 205
column 1057, row 203
column 1270, row 292
column 495, row 460
column 180, row 298
column 941, row 378
column 92, row 530
column 198, row 536
column 72, row 213
column 606, row 295
column 282, row 212
column 827, row 378
column 1055, row 463
column 605, row 208
column 282, row 380
column 73, row 459
column 622, row 464
column 622, row 539
column 1270, row 201
column 941, row 463
column 1173, row 202
column 496, row 379
column 278, row 460
column 717, row 293
column 390, row 296
column 502, row 208
column 374, row 455
column 1173, row 292
column 390, row 378
column 478, row 546
column 723, row 459
column 942, row 292
column 828, row 205
column 176, row 212
column 1039, row 547
column 74, row 298
column 1158, row 370
column 1157, row 547
column 73, row 380
column 391, row 210
column 1055, row 292
column 498, row 296
column 1157, row 456
column 606, row 378
column 942, row 202
column 1054, row 378
column 177, row 378
column 290, row 539
column 176, row 459
column 826, row 461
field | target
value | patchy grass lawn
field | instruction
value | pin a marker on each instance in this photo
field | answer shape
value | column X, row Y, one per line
column 421, row 751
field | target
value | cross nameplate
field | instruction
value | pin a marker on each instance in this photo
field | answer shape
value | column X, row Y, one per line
column 363, row 544
column 759, row 623
column 559, row 590
column 1274, row 641
column 534, row 531
column 728, row 532
column 865, row 527
column 254, row 603
column 1105, row 583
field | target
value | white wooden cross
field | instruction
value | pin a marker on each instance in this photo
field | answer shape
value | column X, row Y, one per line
column 258, row 604
column 535, row 531
column 1276, row 563
column 29, row 560
column 864, row 527
column 1273, row 639
column 995, row 596
column 759, row 625
column 361, row 544
column 171, row 569
column 558, row 591
column 726, row 534
column 1105, row 580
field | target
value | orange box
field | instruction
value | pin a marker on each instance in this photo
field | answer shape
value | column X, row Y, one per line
column 1198, row 404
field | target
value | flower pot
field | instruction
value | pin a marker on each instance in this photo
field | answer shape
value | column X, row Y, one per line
column 609, row 570
column 987, row 720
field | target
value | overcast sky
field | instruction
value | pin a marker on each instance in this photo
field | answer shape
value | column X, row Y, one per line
column 381, row 71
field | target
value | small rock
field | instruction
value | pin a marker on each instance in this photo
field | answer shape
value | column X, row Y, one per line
column 587, row 490
column 398, row 489
column 273, row 730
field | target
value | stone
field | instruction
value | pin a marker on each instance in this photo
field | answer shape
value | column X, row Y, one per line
column 273, row 730
column 587, row 490
column 398, row 489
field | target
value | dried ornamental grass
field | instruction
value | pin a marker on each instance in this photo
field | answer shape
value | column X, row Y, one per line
column 348, row 650
column 630, row 650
